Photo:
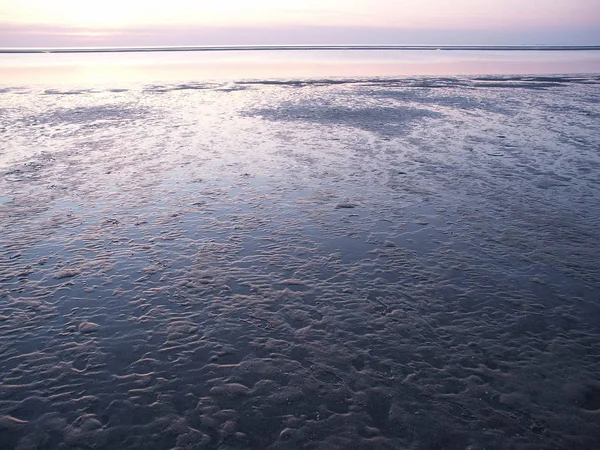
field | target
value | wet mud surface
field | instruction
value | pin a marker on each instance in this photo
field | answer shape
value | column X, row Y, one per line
column 359, row 264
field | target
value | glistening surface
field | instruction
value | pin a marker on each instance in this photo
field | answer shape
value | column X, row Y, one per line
column 407, row 263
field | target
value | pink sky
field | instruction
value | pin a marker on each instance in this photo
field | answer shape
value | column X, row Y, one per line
column 39, row 23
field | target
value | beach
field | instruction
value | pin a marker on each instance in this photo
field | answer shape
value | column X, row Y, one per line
column 300, row 262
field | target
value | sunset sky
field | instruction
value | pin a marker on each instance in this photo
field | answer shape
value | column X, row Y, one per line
column 47, row 23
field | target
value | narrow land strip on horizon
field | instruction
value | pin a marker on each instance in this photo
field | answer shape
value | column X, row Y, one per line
column 225, row 48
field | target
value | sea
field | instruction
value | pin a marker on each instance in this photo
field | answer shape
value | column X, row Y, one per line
column 300, row 248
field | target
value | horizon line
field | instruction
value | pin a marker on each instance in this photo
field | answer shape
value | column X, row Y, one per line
column 324, row 47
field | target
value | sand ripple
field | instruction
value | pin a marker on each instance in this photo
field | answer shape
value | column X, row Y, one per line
column 406, row 263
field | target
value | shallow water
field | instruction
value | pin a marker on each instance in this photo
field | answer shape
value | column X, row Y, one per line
column 118, row 69
column 319, row 264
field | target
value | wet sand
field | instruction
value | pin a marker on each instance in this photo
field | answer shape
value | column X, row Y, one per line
column 361, row 264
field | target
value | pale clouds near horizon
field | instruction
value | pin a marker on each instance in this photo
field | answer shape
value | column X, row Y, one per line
column 196, row 22
column 385, row 13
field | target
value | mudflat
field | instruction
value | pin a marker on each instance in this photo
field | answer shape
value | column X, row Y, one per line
column 373, row 263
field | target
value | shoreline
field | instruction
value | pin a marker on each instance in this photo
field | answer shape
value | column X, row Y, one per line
column 226, row 48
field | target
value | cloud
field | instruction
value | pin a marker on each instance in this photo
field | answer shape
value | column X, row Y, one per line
column 12, row 35
column 438, row 14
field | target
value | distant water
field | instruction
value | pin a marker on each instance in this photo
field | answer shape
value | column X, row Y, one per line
column 288, row 48
column 305, row 250
column 235, row 64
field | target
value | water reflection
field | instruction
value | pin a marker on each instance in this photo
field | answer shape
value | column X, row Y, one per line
column 52, row 69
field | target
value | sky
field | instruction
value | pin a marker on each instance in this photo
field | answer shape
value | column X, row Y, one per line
column 75, row 23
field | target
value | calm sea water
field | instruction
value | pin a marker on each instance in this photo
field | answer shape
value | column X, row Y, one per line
column 299, row 251
column 121, row 68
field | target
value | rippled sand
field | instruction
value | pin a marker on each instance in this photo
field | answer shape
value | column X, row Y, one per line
column 359, row 264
